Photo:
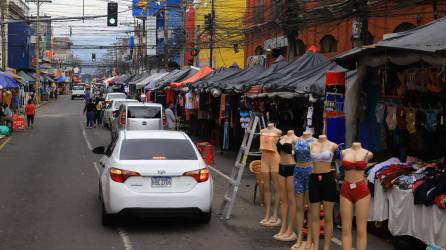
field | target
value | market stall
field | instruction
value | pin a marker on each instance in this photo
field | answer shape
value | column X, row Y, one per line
column 395, row 108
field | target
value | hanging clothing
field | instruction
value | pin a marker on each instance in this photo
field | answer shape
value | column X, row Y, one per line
column 189, row 101
column 226, row 136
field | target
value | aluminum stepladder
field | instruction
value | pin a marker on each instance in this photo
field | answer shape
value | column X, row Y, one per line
column 256, row 123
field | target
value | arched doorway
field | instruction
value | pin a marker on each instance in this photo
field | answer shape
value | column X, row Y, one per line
column 404, row 27
column 259, row 51
column 328, row 44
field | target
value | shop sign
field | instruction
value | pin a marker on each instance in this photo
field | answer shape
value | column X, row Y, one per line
column 276, row 42
column 257, row 60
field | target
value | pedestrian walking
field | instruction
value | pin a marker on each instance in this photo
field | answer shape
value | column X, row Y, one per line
column 98, row 116
column 90, row 111
column 30, row 110
column 170, row 117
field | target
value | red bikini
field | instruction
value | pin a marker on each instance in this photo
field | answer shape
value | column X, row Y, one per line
column 355, row 191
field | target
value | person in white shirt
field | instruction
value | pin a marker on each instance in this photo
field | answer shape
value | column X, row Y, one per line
column 170, row 117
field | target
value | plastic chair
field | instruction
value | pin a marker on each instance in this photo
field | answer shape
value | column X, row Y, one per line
column 255, row 168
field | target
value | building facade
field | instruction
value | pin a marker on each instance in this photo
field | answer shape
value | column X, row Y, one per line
column 9, row 10
column 331, row 28
column 228, row 45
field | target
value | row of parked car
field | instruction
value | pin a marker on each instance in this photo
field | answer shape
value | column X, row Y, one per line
column 149, row 171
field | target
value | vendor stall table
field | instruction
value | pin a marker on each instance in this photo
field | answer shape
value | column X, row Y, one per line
column 427, row 223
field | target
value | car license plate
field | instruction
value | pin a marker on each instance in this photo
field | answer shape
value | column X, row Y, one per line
column 161, row 182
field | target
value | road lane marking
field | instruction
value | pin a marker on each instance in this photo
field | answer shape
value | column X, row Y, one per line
column 125, row 239
column 97, row 168
column 84, row 133
column 4, row 143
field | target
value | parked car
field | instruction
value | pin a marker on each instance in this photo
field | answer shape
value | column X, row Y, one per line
column 154, row 173
column 112, row 96
column 111, row 110
column 77, row 91
column 139, row 116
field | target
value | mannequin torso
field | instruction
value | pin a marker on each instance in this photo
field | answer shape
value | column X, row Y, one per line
column 269, row 137
column 302, row 148
column 322, row 152
column 355, row 161
column 285, row 144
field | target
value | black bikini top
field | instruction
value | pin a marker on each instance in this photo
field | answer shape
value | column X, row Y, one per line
column 286, row 148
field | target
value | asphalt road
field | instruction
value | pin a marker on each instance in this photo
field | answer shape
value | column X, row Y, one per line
column 49, row 197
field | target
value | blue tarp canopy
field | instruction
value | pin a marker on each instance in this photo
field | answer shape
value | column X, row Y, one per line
column 61, row 79
column 7, row 82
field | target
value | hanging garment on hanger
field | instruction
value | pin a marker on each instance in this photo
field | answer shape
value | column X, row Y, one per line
column 411, row 121
column 226, row 136
column 379, row 112
column 431, row 121
column 391, row 118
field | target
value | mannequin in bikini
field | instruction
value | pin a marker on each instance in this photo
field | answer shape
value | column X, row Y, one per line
column 355, row 195
column 322, row 189
column 286, row 190
column 270, row 159
column 304, row 168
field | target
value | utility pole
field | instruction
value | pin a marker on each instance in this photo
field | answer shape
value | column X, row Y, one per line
column 37, row 48
column 166, row 37
column 212, row 31
column 3, row 6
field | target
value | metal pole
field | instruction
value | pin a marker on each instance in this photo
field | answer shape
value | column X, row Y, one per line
column 37, row 53
column 166, row 37
column 3, row 44
column 211, row 47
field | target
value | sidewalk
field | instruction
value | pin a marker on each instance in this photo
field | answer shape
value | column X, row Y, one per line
column 246, row 215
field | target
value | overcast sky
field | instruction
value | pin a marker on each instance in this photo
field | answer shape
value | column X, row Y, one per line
column 91, row 32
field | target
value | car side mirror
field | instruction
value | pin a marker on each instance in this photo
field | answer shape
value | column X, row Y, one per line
column 99, row 150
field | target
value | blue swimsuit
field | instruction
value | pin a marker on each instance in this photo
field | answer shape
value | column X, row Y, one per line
column 302, row 174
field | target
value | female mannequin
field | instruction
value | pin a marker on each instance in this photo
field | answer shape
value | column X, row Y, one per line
column 322, row 187
column 355, row 195
column 302, row 173
column 270, row 159
column 285, row 181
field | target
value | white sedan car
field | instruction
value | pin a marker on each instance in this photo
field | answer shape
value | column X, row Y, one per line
column 154, row 173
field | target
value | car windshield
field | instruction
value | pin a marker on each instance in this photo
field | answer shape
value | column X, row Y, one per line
column 78, row 87
column 157, row 149
column 117, row 96
column 145, row 112
column 116, row 104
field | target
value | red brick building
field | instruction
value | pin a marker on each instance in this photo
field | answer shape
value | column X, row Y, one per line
column 329, row 26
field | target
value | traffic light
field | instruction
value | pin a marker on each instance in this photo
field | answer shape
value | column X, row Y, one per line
column 208, row 22
column 93, row 57
column 112, row 14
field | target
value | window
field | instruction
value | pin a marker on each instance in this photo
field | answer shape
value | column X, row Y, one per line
column 78, row 87
column 258, row 11
column 404, row 27
column 300, row 47
column 148, row 149
column 328, row 44
column 259, row 51
column 144, row 112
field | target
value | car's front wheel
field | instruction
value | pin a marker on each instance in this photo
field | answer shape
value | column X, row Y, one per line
column 205, row 218
column 107, row 219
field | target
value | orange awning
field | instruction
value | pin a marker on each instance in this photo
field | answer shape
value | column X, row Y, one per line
column 206, row 70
